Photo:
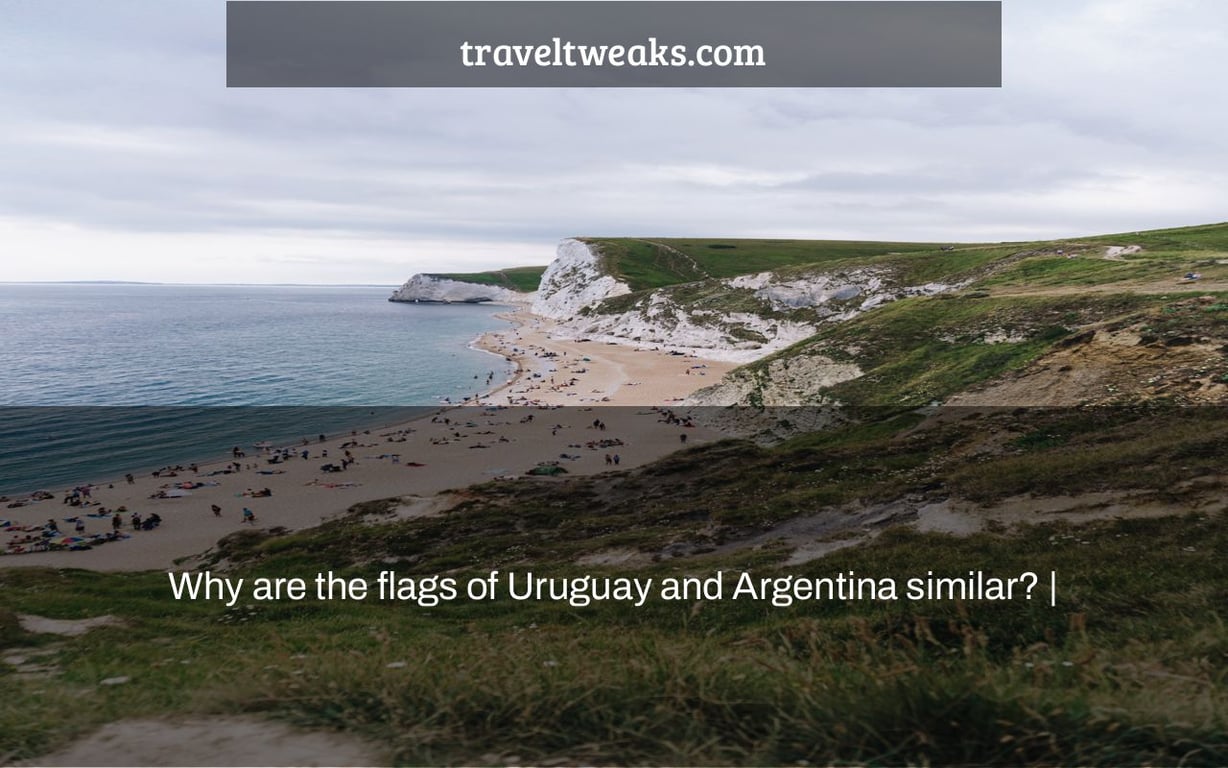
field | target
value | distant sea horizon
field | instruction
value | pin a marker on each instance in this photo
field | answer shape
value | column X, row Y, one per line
column 99, row 379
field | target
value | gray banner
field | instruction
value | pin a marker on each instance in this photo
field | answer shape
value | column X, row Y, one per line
column 664, row 43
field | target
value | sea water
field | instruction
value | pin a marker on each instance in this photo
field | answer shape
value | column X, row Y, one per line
column 97, row 380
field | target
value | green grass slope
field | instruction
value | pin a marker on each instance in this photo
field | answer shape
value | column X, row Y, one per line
column 650, row 263
column 647, row 263
column 1129, row 668
column 519, row 279
column 1040, row 297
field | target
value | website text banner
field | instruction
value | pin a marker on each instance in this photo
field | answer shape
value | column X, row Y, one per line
column 614, row 44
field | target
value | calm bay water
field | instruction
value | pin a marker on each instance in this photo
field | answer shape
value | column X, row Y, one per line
column 239, row 363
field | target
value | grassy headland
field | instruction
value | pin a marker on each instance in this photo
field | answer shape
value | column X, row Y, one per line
column 519, row 279
column 647, row 263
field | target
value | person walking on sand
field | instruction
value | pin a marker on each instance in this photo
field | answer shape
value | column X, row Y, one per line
column 117, row 522
column 217, row 511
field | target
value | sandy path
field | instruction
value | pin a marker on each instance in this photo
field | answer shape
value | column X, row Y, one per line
column 217, row 741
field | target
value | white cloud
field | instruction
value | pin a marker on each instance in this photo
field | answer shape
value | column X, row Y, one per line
column 266, row 257
column 126, row 158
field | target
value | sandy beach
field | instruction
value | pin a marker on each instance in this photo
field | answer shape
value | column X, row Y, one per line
column 501, row 434
column 554, row 371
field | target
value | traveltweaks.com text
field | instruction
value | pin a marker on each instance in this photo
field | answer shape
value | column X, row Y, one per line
column 653, row 53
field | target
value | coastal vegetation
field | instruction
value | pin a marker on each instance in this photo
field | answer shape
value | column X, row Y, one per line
column 519, row 279
column 648, row 263
column 645, row 264
column 1056, row 408
column 1128, row 666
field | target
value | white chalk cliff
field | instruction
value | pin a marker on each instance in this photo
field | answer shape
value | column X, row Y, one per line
column 739, row 319
column 429, row 288
column 573, row 281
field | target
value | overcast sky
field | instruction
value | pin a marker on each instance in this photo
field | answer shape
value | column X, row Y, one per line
column 124, row 157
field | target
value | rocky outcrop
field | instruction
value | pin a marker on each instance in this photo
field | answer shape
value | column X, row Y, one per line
column 661, row 322
column 780, row 382
column 439, row 290
column 809, row 291
column 739, row 319
column 573, row 281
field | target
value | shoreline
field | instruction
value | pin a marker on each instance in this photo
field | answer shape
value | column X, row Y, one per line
column 440, row 402
column 203, row 460
column 662, row 377
column 482, row 343
column 464, row 443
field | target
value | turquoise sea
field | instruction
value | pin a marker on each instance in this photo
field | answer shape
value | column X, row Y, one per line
column 97, row 380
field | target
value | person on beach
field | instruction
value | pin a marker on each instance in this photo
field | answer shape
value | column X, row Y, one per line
column 217, row 511
column 117, row 522
column 136, row 521
column 248, row 516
